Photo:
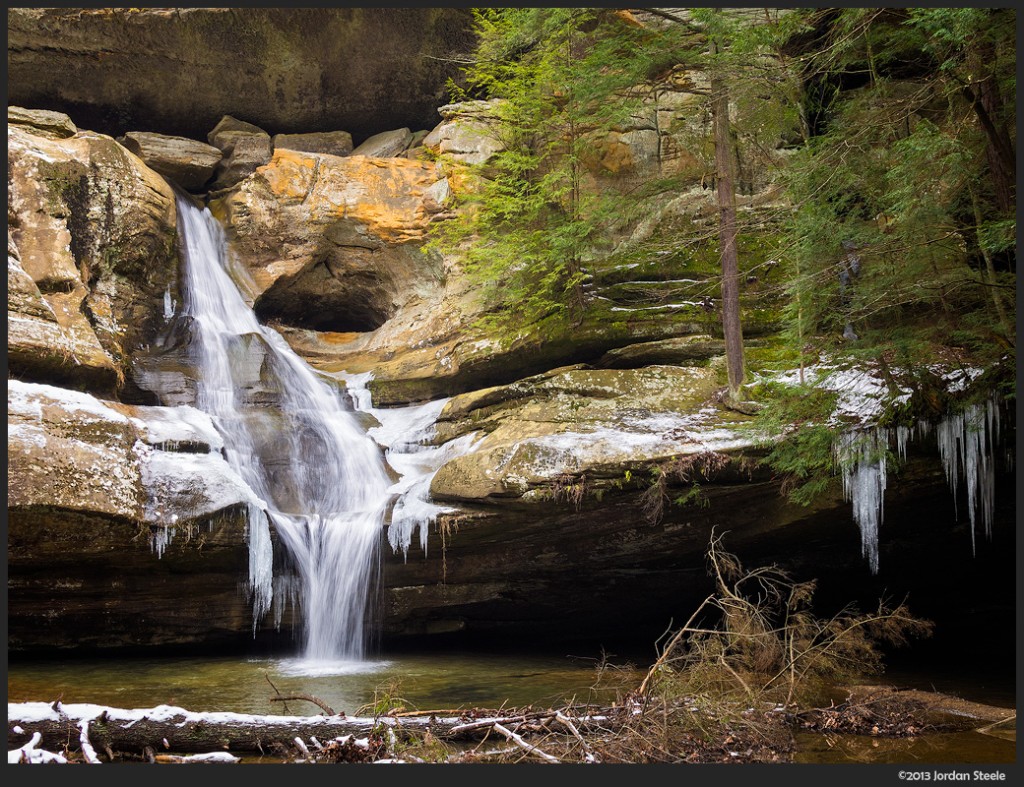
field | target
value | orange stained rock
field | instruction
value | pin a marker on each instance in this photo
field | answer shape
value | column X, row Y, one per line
column 385, row 194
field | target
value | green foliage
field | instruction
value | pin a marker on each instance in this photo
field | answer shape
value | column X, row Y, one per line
column 795, row 420
column 900, row 173
column 562, row 77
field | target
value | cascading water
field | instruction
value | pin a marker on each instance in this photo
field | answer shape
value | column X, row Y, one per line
column 288, row 434
column 406, row 434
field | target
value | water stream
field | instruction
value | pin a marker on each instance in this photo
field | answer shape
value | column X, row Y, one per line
column 295, row 441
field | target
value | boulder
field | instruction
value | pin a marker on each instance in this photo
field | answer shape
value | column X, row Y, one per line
column 333, row 143
column 91, row 255
column 227, row 130
column 465, row 134
column 387, row 144
column 244, row 147
column 187, row 162
column 42, row 122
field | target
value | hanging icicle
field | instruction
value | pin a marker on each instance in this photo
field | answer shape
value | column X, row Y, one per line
column 967, row 443
column 861, row 455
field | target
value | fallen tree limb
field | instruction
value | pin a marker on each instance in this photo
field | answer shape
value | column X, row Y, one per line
column 308, row 698
column 87, row 750
column 483, row 724
column 523, row 744
column 184, row 731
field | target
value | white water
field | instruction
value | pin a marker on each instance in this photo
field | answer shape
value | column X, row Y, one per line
column 406, row 433
column 289, row 435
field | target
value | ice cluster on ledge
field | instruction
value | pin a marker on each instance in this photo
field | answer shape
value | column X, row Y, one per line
column 966, row 441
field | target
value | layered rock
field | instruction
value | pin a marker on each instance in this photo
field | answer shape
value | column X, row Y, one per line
column 608, row 575
column 91, row 252
column 126, row 525
column 289, row 70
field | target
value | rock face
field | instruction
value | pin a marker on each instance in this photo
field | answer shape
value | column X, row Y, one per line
column 126, row 505
column 187, row 162
column 333, row 243
column 432, row 345
column 91, row 252
column 289, row 70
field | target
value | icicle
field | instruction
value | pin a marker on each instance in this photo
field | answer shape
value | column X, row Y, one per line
column 861, row 456
column 160, row 538
column 903, row 435
column 967, row 443
column 261, row 563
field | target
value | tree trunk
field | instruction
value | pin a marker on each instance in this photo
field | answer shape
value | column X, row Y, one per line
column 731, row 325
column 984, row 97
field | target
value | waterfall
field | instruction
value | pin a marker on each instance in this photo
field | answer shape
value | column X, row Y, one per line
column 292, row 438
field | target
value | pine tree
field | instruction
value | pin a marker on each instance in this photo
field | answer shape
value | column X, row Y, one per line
column 560, row 77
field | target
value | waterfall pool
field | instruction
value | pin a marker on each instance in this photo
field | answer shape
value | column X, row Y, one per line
column 448, row 681
column 243, row 685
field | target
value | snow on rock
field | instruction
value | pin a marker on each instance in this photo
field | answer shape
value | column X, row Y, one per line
column 157, row 465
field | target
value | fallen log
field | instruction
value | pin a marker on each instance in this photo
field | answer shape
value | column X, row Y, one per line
column 166, row 728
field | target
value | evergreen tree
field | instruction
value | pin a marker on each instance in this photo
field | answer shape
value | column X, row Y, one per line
column 560, row 77
column 902, row 237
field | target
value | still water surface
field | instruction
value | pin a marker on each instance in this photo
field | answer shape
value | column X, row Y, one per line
column 241, row 685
